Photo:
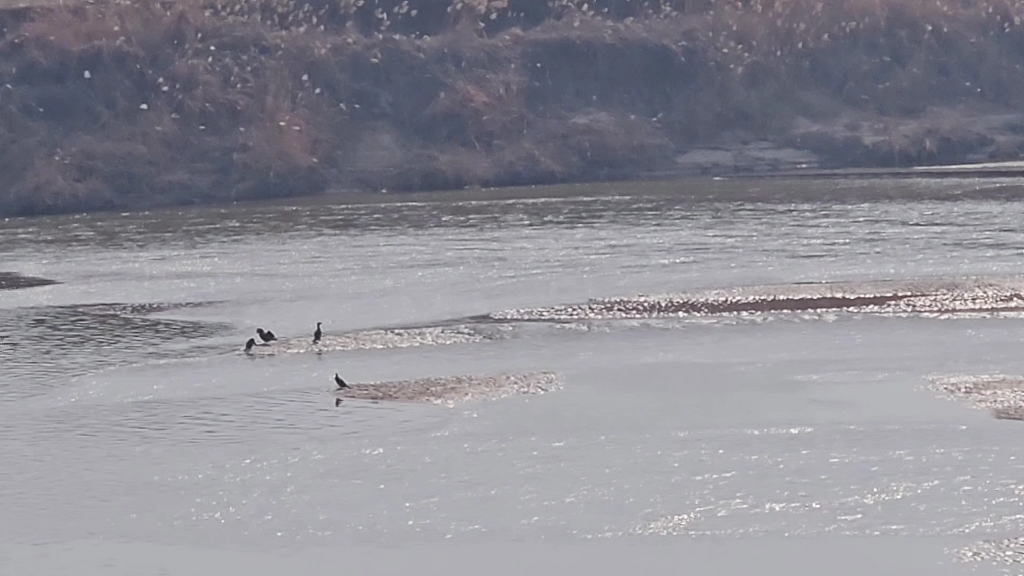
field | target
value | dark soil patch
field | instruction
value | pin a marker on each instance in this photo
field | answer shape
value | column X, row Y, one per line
column 15, row 281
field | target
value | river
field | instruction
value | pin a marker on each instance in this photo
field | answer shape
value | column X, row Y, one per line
column 138, row 438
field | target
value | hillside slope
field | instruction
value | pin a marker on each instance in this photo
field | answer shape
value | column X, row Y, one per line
column 124, row 105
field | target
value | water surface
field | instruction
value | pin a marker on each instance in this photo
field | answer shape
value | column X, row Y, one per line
column 137, row 436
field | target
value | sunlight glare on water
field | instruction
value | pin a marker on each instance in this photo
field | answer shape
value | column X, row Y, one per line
column 138, row 437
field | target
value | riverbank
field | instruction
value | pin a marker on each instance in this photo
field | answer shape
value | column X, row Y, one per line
column 131, row 105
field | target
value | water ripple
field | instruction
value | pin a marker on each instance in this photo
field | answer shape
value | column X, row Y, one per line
column 43, row 347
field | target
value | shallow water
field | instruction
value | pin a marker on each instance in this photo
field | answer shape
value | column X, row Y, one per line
column 138, row 437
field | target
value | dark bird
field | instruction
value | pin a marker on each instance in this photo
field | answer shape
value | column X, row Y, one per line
column 266, row 335
column 318, row 334
column 249, row 344
column 337, row 402
column 341, row 383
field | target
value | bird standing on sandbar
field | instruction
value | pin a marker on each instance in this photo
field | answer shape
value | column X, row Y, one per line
column 249, row 344
column 341, row 383
column 318, row 334
column 266, row 335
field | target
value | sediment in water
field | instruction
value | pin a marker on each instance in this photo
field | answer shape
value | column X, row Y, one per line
column 452, row 390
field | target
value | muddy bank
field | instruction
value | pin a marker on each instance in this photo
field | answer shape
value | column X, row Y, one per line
column 1005, row 551
column 936, row 296
column 127, row 105
column 379, row 339
column 1002, row 396
column 15, row 281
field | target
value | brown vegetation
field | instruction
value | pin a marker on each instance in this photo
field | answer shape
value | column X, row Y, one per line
column 118, row 105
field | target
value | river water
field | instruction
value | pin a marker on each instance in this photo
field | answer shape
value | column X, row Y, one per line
column 772, row 434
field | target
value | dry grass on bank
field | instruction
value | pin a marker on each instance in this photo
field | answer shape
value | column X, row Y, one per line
column 131, row 104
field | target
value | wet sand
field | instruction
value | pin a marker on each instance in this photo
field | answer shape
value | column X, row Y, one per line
column 376, row 338
column 916, row 296
column 1009, row 551
column 1002, row 395
column 451, row 390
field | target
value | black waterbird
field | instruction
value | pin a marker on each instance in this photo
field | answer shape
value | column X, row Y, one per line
column 341, row 383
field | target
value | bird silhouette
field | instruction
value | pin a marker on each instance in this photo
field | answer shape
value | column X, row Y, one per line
column 341, row 383
column 266, row 335
column 318, row 334
column 249, row 344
